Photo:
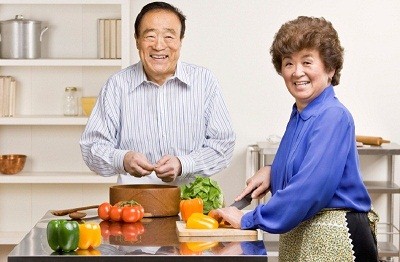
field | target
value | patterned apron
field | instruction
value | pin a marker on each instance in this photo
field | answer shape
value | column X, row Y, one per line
column 325, row 237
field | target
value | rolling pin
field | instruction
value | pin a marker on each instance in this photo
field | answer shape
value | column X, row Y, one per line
column 371, row 140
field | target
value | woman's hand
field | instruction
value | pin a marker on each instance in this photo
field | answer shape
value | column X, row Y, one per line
column 260, row 183
column 232, row 215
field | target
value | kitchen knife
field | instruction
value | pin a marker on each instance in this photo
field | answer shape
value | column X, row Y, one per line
column 244, row 202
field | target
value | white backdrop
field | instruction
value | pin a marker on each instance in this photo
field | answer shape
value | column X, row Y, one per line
column 232, row 38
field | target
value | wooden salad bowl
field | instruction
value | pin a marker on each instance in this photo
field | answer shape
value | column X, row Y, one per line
column 157, row 200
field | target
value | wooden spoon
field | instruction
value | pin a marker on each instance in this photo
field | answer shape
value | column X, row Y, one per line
column 77, row 215
column 68, row 211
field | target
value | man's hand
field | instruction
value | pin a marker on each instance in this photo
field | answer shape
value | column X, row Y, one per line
column 137, row 164
column 168, row 168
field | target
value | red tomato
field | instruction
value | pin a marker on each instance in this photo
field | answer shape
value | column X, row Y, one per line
column 129, row 232
column 115, row 213
column 104, row 211
column 131, row 214
column 132, row 203
column 139, row 227
column 141, row 210
column 115, row 229
column 105, row 229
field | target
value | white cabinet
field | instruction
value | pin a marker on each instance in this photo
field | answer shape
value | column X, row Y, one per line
column 54, row 175
column 388, row 231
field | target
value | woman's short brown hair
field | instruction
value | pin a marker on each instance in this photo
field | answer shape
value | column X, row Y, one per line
column 309, row 33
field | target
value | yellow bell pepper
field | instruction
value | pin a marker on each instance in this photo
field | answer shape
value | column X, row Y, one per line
column 201, row 221
column 201, row 246
column 88, row 252
column 89, row 235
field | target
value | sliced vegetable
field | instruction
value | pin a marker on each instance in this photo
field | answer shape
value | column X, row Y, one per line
column 63, row 235
column 206, row 189
column 190, row 206
column 201, row 221
column 89, row 235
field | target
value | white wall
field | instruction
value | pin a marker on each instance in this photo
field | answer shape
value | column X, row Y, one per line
column 232, row 38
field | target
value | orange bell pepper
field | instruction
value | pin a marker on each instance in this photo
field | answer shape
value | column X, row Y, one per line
column 190, row 206
column 201, row 221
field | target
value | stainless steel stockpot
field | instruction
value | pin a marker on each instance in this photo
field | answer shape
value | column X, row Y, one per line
column 20, row 38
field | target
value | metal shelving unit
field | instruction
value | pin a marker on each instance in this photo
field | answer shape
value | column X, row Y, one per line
column 263, row 153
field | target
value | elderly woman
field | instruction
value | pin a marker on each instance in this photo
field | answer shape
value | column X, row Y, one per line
column 319, row 203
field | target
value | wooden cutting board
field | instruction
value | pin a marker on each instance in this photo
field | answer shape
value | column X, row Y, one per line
column 223, row 232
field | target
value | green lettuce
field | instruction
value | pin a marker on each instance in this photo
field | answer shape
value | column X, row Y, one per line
column 206, row 189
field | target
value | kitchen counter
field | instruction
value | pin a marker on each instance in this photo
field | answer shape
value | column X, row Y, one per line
column 152, row 239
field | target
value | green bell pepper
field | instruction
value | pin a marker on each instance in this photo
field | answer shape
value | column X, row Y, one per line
column 63, row 235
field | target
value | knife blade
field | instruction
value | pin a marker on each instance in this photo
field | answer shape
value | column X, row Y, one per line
column 244, row 202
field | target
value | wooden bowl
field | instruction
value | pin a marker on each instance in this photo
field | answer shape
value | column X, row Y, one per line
column 157, row 200
column 12, row 164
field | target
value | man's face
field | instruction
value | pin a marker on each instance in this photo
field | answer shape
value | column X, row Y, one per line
column 159, row 44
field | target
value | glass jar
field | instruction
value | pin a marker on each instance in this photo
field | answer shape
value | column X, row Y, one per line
column 71, row 101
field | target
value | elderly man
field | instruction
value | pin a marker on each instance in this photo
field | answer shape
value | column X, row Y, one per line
column 160, row 120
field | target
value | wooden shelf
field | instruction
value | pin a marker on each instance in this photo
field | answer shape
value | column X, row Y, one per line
column 60, row 62
column 79, row 61
column 57, row 178
column 44, row 120
column 62, row 2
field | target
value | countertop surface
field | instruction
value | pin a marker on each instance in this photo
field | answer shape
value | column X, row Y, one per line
column 153, row 239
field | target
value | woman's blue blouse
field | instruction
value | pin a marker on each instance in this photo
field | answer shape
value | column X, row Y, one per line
column 316, row 167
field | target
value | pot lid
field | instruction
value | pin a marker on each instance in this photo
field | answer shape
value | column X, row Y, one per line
column 20, row 19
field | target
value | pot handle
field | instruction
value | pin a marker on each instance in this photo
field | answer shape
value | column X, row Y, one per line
column 42, row 32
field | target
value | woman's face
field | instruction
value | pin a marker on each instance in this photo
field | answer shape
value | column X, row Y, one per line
column 305, row 76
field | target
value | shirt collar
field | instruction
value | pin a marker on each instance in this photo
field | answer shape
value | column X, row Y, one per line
column 314, row 106
column 140, row 76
